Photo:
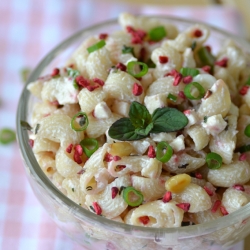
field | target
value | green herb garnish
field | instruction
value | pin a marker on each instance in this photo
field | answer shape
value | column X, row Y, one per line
column 189, row 72
column 26, row 125
column 157, row 33
column 73, row 73
column 96, row 46
column 140, row 123
column 127, row 49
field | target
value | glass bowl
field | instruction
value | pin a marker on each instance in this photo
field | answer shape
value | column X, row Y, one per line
column 95, row 232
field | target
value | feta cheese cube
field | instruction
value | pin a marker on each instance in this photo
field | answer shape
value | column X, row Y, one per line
column 192, row 117
column 102, row 111
column 120, row 108
column 155, row 101
column 168, row 137
column 214, row 124
column 178, row 143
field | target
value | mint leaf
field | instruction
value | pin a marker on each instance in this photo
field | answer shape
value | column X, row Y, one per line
column 144, row 131
column 124, row 130
column 139, row 115
column 168, row 120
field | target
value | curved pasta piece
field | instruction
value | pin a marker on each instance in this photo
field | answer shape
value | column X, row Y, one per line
column 57, row 180
column 46, row 161
column 68, row 109
column 36, row 88
column 183, row 163
column 188, row 59
column 111, row 208
column 65, row 165
column 60, row 89
column 94, row 180
column 149, row 167
column 195, row 195
column 242, row 139
column 237, row 172
column 233, row 199
column 119, row 85
column 42, row 144
column 205, row 80
column 57, row 128
column 160, row 214
column 151, row 188
column 73, row 191
column 141, row 146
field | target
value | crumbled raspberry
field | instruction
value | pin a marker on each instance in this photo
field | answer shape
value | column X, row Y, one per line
column 137, row 89
column 177, row 79
column 114, row 192
column 182, row 95
column 223, row 210
column 163, row 59
column 69, row 148
column 173, row 73
column 167, row 197
column 243, row 157
column 216, row 205
column 207, row 68
column 116, row 158
column 137, row 35
column 121, row 66
column 98, row 81
column 144, row 219
column 119, row 168
column 77, row 158
column 239, row 187
column 222, row 63
column 81, row 81
column 209, row 191
column 244, row 89
column 209, row 49
column 103, row 36
column 187, row 79
column 108, row 157
column 187, row 112
column 197, row 33
column 184, row 206
column 55, row 72
column 198, row 175
column 97, row 208
column 151, row 152
column 78, row 149
column 31, row 143
column 92, row 87
column 142, row 55
column 81, row 171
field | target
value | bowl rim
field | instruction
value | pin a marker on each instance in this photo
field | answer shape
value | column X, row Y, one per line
column 81, row 213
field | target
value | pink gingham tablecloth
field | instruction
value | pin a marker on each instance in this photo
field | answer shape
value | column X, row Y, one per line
column 28, row 30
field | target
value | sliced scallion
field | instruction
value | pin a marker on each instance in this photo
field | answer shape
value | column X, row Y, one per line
column 133, row 66
column 164, row 152
column 96, row 46
column 213, row 160
column 127, row 49
column 79, row 121
column 172, row 97
column 205, row 56
column 89, row 146
column 157, row 33
column 244, row 148
column 7, row 136
column 132, row 196
column 188, row 89
column 248, row 82
column 189, row 72
column 247, row 130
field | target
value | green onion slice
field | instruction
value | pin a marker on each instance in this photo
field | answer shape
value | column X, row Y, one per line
column 163, row 152
column 248, row 81
column 189, row 72
column 89, row 146
column 79, row 121
column 172, row 97
column 206, row 57
column 213, row 160
column 188, row 88
column 157, row 33
column 247, row 130
column 96, row 46
column 7, row 136
column 127, row 49
column 244, row 148
column 132, row 196
column 133, row 66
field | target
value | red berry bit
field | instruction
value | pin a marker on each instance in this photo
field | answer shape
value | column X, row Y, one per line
column 103, row 36
column 244, row 90
column 198, row 175
column 119, row 168
column 222, row 63
column 108, row 157
column 78, row 149
column 209, row 191
column 55, row 72
column 98, row 81
column 187, row 79
column 144, row 219
column 137, row 89
column 116, row 158
column 209, row 49
column 69, row 148
column 81, row 81
column 151, row 152
column 216, row 205
column 184, row 206
column 114, row 192
column 121, row 66
column 97, row 208
column 243, row 157
column 223, row 210
column 207, row 68
column 137, row 35
column 177, row 79
column 173, row 73
column 77, row 158
column 31, row 143
column 92, row 87
column 198, row 33
column 167, row 197
column 81, row 171
column 239, row 187
column 181, row 95
column 187, row 112
column 163, row 59
column 142, row 56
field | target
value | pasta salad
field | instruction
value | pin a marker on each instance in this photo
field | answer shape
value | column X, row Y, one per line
column 147, row 125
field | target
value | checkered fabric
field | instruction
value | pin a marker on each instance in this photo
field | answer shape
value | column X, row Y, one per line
column 28, row 30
